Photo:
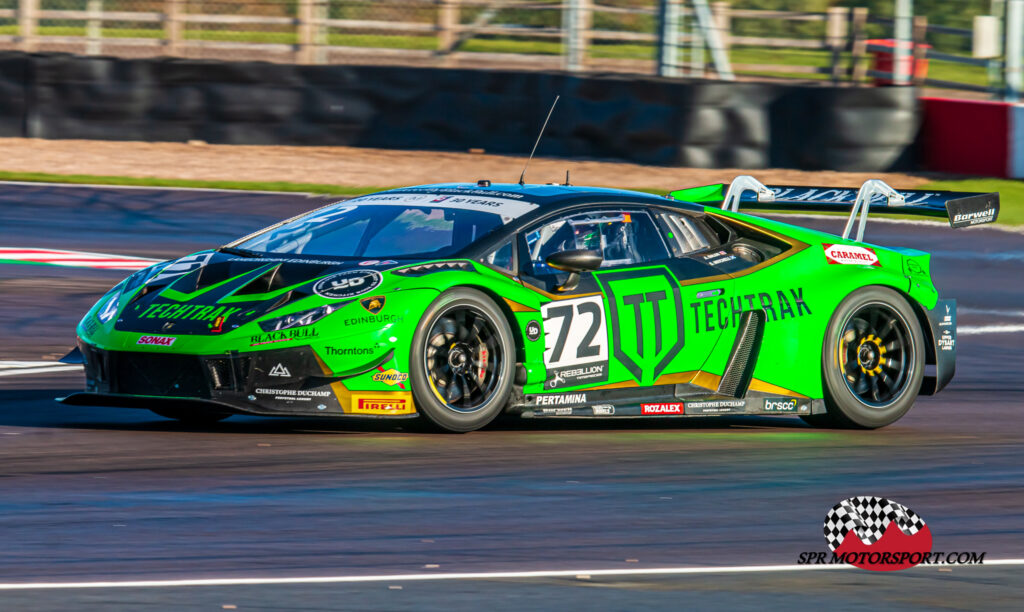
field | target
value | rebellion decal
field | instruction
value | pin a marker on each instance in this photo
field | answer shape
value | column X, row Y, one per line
column 560, row 399
column 664, row 408
column 716, row 407
column 576, row 336
column 533, row 331
column 188, row 312
column 390, row 377
column 850, row 255
column 381, row 405
column 284, row 335
column 156, row 340
column 373, row 305
column 347, row 284
column 723, row 313
column 784, row 405
column 577, row 376
column 646, row 311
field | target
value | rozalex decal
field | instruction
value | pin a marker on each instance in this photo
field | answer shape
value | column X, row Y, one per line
column 850, row 255
column 156, row 340
column 347, row 284
column 665, row 408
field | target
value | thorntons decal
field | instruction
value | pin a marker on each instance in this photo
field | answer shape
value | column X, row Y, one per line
column 850, row 255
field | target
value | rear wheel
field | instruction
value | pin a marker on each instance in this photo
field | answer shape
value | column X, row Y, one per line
column 192, row 417
column 872, row 361
column 462, row 361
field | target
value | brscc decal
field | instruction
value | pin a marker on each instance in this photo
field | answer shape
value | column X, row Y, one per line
column 850, row 255
column 347, row 284
column 666, row 408
column 784, row 405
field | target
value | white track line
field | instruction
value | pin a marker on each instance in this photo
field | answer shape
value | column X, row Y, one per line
column 657, row 571
column 973, row 330
column 18, row 368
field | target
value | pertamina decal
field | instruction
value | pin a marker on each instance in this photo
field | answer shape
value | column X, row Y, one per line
column 663, row 408
column 560, row 399
column 156, row 340
column 850, row 255
column 646, row 314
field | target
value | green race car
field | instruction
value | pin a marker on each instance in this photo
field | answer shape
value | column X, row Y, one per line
column 458, row 302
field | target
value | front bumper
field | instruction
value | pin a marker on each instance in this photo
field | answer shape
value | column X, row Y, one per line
column 285, row 382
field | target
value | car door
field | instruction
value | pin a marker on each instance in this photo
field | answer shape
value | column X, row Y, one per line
column 639, row 319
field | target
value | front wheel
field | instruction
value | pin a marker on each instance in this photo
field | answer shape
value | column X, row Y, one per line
column 872, row 361
column 462, row 361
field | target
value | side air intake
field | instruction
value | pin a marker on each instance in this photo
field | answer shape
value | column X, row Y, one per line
column 740, row 368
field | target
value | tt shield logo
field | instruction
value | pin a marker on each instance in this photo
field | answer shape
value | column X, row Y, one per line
column 647, row 319
column 280, row 370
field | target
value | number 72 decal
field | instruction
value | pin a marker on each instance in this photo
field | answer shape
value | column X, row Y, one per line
column 575, row 342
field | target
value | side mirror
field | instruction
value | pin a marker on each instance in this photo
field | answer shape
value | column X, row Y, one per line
column 574, row 262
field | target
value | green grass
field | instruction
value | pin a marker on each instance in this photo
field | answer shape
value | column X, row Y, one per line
column 1011, row 191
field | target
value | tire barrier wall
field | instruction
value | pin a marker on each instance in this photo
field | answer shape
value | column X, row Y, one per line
column 644, row 120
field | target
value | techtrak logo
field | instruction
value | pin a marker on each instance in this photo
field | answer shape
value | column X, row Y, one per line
column 881, row 535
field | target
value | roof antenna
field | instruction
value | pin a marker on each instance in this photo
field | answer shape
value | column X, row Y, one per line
column 542, row 128
column 566, row 177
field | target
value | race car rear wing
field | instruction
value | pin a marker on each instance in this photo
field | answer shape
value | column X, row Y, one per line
column 963, row 209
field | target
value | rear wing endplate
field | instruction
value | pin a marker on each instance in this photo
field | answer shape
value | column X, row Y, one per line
column 963, row 209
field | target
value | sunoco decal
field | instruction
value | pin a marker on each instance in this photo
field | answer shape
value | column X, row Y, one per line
column 850, row 255
column 347, row 284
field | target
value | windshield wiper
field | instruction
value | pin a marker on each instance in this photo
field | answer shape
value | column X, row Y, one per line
column 238, row 251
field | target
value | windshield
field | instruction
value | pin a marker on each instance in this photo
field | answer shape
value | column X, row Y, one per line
column 391, row 226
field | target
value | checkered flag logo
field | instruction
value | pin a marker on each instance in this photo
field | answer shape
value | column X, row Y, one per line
column 868, row 517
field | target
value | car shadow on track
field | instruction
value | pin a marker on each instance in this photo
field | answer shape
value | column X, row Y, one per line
column 38, row 408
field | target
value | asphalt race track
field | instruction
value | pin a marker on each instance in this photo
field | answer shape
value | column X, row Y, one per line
column 122, row 495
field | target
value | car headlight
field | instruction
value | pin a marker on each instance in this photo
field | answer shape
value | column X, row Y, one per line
column 110, row 306
column 297, row 319
column 111, row 302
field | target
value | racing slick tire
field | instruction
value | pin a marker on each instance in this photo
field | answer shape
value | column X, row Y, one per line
column 462, row 361
column 191, row 417
column 872, row 361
